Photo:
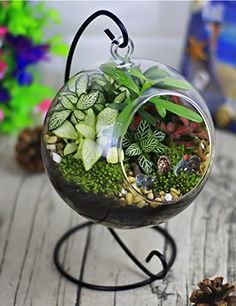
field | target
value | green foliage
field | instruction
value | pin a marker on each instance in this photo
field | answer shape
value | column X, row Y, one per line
column 102, row 178
column 143, row 143
column 176, row 153
column 23, row 100
column 180, row 110
column 29, row 21
column 183, row 182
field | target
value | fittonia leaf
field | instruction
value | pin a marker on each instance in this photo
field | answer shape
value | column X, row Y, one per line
column 106, row 117
column 90, row 153
column 57, row 118
column 179, row 110
column 79, row 115
column 81, row 85
column 159, row 135
column 72, row 97
column 133, row 150
column 142, row 130
column 70, row 148
column 145, row 164
column 90, row 118
column 66, row 130
column 88, row 100
column 65, row 101
column 86, row 131
column 149, row 144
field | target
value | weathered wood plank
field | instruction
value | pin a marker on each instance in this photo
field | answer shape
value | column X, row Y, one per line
column 32, row 218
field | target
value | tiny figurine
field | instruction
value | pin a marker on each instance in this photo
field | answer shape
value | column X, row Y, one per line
column 163, row 164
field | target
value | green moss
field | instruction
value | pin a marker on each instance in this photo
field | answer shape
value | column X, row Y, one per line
column 103, row 177
column 184, row 182
column 175, row 153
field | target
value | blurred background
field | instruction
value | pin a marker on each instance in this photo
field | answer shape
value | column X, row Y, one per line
column 157, row 29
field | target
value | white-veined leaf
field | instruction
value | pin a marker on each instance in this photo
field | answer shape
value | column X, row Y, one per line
column 149, row 144
column 145, row 164
column 159, row 135
column 142, row 130
column 88, row 100
column 81, row 84
column 133, row 150
column 66, row 130
column 57, row 118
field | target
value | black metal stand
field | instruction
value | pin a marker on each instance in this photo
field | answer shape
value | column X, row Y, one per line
column 151, row 277
column 165, row 264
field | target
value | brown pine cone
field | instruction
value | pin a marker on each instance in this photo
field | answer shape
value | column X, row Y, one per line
column 28, row 151
column 213, row 293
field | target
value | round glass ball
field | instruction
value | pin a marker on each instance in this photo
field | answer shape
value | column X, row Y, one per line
column 128, row 146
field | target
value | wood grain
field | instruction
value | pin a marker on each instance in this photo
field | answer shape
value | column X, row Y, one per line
column 32, row 218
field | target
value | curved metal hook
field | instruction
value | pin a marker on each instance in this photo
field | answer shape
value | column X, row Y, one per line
column 162, row 259
column 107, row 31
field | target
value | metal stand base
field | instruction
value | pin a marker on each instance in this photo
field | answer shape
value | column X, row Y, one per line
column 151, row 277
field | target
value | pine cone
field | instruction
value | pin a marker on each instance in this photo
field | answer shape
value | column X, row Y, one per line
column 213, row 293
column 28, row 151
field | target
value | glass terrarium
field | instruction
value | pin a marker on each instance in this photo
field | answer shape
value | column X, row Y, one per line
column 128, row 144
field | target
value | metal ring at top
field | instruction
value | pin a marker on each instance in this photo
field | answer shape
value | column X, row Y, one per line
column 114, row 50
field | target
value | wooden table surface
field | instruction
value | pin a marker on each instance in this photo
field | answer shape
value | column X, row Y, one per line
column 32, row 218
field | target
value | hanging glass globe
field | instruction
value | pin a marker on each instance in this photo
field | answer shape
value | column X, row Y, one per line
column 128, row 143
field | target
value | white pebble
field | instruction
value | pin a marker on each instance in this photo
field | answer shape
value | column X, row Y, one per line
column 168, row 197
column 51, row 147
column 123, row 191
column 56, row 157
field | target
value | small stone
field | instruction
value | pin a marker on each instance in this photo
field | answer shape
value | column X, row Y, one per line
column 175, row 191
column 123, row 191
column 137, row 199
column 125, row 185
column 131, row 173
column 131, row 179
column 46, row 137
column 51, row 147
column 122, row 202
column 162, row 193
column 162, row 198
column 56, row 157
column 150, row 196
column 144, row 191
column 141, row 204
column 175, row 196
column 153, row 204
column 158, row 199
column 52, row 139
column 129, row 198
column 168, row 197
column 136, row 187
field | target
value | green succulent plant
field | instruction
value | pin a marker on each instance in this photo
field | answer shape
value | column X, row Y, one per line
column 142, row 143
